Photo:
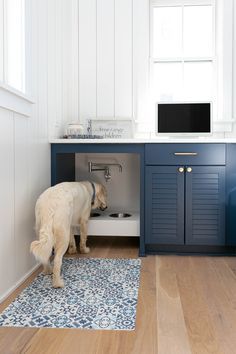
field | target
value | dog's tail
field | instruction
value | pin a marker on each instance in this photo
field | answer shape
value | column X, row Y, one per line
column 42, row 249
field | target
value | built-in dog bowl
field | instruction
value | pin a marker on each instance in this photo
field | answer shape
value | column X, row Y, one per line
column 94, row 215
column 120, row 215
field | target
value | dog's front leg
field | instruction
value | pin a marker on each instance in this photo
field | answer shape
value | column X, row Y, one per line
column 83, row 237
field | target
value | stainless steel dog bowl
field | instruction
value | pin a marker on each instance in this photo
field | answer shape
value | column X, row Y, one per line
column 94, row 215
column 120, row 215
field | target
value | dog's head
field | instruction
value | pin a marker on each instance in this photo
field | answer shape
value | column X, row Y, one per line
column 100, row 201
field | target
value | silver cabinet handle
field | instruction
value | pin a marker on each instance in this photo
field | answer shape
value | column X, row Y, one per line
column 189, row 169
column 181, row 169
column 185, row 153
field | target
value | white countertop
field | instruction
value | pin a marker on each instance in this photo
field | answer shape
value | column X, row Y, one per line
column 144, row 141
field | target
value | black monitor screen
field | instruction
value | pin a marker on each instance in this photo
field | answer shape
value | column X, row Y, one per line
column 184, row 117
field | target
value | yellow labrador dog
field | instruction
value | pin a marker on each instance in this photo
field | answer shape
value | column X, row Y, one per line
column 57, row 210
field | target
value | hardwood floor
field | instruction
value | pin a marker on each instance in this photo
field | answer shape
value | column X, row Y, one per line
column 186, row 305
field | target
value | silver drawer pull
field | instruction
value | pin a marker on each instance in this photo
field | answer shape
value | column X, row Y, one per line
column 185, row 153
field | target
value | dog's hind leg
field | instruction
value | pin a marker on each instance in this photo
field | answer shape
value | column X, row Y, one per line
column 72, row 245
column 60, row 249
column 47, row 269
column 83, row 237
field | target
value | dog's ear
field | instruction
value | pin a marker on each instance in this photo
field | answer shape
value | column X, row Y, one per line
column 101, row 191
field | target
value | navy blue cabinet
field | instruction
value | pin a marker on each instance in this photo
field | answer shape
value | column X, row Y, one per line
column 187, row 190
column 164, row 196
column 231, row 195
column 205, row 205
column 185, row 194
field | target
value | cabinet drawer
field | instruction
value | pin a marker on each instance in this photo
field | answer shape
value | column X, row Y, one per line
column 185, row 154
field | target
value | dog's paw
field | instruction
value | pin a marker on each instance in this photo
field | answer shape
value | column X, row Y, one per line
column 72, row 250
column 84, row 249
column 59, row 283
column 47, row 270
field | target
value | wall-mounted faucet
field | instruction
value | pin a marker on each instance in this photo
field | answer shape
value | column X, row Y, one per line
column 92, row 166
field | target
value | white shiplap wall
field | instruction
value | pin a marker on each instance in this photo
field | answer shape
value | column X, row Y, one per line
column 62, row 70
column 24, row 155
column 98, row 55
column 111, row 56
column 24, row 174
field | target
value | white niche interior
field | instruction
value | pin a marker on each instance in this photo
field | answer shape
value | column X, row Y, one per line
column 123, row 190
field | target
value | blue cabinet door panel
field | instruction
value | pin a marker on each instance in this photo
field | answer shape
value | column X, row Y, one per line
column 205, row 206
column 164, row 198
column 231, row 195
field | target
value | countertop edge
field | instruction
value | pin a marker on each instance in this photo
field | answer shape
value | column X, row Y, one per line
column 143, row 141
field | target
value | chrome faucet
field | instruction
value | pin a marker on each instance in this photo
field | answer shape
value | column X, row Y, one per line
column 103, row 167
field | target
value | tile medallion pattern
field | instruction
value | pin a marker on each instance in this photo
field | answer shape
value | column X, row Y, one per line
column 98, row 294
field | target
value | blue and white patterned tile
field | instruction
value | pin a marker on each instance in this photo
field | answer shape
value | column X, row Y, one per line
column 98, row 294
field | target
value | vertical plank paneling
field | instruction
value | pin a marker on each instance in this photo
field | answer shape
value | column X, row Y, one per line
column 59, row 65
column 228, row 60
column 43, row 164
column 1, row 41
column 28, row 46
column 33, row 123
column 98, row 60
column 42, row 69
column 25, row 155
column 87, row 59
column 66, row 54
column 7, row 265
column 52, row 109
column 141, row 62
column 23, row 232
column 37, row 153
column 73, row 98
column 105, row 58
column 123, row 58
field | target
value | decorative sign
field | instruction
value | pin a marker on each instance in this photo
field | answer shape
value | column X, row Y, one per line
column 111, row 128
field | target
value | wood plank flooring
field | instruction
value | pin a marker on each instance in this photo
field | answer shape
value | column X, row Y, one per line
column 186, row 305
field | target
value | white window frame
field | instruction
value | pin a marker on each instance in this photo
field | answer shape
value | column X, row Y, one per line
column 222, row 57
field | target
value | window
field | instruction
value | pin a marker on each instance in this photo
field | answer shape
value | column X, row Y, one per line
column 183, row 50
column 12, row 71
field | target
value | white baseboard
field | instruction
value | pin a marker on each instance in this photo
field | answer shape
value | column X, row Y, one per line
column 14, row 287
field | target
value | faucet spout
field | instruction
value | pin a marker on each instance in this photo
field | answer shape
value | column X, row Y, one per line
column 92, row 166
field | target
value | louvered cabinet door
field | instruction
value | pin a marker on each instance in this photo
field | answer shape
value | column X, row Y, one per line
column 164, row 209
column 205, row 206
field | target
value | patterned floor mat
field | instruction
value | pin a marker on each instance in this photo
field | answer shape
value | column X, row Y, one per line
column 98, row 294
